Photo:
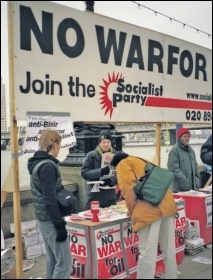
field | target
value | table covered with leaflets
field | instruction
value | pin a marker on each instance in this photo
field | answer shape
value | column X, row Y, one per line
column 107, row 249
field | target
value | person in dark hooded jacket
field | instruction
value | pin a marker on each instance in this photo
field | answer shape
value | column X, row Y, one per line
column 92, row 171
column 206, row 157
column 206, row 151
column 45, row 181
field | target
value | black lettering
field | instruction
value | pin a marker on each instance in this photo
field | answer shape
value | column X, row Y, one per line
column 75, row 86
column 186, row 71
column 78, row 47
column 111, row 43
column 155, row 58
column 28, row 84
column 200, row 66
column 172, row 60
column 28, row 25
column 135, row 47
column 121, row 86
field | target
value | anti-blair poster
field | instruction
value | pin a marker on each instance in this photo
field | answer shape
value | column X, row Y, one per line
column 38, row 122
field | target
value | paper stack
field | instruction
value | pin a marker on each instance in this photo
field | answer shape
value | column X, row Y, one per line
column 194, row 246
column 7, row 260
column 32, row 239
column 26, row 227
column 192, row 231
column 34, row 244
column 35, row 251
column 2, row 240
column 194, row 243
column 9, row 242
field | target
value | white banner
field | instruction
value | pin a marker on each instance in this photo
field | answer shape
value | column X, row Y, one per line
column 105, row 70
column 38, row 122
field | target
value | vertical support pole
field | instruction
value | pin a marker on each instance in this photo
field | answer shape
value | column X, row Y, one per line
column 14, row 146
column 158, row 143
column 156, row 159
column 178, row 126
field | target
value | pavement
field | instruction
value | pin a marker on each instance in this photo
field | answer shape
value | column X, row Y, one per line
column 188, row 269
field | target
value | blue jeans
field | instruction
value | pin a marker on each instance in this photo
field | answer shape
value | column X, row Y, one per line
column 58, row 255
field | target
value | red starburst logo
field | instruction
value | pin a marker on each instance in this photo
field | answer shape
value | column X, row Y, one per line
column 105, row 100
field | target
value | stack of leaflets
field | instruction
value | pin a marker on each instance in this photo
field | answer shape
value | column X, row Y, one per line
column 33, row 244
column 32, row 239
column 194, row 246
column 35, row 251
column 7, row 260
column 9, row 242
column 26, row 227
column 191, row 230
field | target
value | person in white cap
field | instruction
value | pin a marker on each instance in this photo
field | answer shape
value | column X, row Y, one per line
column 182, row 162
column 92, row 171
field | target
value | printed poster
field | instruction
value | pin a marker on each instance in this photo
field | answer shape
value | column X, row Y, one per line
column 131, row 248
column 79, row 250
column 38, row 122
column 109, row 250
column 208, row 202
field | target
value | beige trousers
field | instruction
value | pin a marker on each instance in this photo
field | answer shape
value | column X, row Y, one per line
column 162, row 231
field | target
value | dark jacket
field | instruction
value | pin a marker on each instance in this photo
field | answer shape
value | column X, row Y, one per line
column 44, row 186
column 206, row 151
column 91, row 171
column 182, row 162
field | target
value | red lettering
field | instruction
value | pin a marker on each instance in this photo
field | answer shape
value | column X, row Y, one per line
column 131, row 240
column 180, row 222
column 79, row 250
column 109, row 249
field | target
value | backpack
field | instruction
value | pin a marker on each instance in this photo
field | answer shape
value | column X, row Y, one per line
column 153, row 186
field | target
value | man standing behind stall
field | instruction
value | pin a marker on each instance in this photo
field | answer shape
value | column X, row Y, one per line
column 182, row 162
column 93, row 171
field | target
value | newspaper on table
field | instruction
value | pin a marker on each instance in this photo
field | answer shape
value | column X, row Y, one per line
column 7, row 260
